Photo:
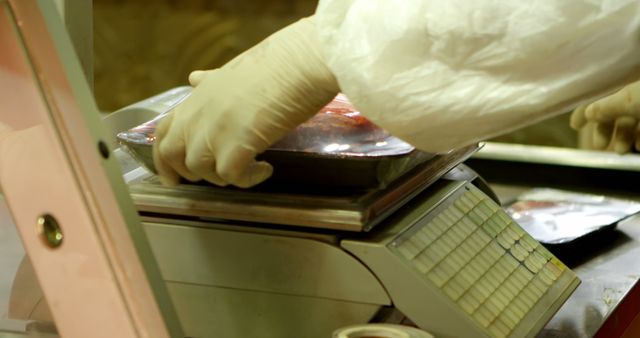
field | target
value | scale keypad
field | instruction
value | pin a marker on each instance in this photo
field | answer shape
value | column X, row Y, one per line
column 482, row 260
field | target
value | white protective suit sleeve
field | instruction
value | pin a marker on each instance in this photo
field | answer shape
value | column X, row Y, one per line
column 446, row 73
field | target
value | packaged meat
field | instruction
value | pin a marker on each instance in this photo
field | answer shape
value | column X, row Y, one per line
column 323, row 150
column 556, row 217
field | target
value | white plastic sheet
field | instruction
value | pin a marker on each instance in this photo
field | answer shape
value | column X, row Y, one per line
column 443, row 74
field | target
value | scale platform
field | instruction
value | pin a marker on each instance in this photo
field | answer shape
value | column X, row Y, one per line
column 347, row 209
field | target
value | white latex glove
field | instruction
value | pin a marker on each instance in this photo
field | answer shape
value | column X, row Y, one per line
column 612, row 122
column 235, row 112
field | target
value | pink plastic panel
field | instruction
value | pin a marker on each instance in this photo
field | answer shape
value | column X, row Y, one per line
column 94, row 281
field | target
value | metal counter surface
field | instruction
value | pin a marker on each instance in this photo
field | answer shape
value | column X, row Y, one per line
column 608, row 274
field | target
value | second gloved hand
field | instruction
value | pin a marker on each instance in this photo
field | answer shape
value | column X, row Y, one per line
column 612, row 122
column 236, row 112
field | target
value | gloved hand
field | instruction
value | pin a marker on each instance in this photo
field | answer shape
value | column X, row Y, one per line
column 611, row 122
column 235, row 112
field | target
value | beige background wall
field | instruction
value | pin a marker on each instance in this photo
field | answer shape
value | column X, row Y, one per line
column 143, row 47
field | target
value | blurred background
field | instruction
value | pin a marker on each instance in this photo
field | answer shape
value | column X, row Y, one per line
column 143, row 47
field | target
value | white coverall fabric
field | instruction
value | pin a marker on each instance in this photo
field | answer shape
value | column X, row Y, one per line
column 446, row 73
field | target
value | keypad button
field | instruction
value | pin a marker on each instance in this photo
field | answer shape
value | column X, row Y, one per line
column 513, row 283
column 539, row 284
column 546, row 276
column 495, row 251
column 441, row 224
column 482, row 289
column 471, row 300
column 518, row 252
column 425, row 262
column 526, row 245
column 554, row 269
column 529, row 296
column 525, row 273
column 500, row 273
column 438, row 276
column 540, row 260
column 408, row 250
column 483, row 261
column 447, row 242
column 420, row 266
column 468, row 303
column 442, row 273
column 536, row 289
column 457, row 214
column 483, row 211
column 458, row 233
column 545, row 253
column 482, row 237
column 509, row 319
column 453, row 290
column 509, row 263
column 500, row 298
column 512, row 234
column 431, row 232
column 462, row 206
column 483, row 316
column 470, row 273
column 455, row 260
column 522, row 304
column 479, row 195
column 467, row 228
column 504, row 217
column 422, row 239
column 493, row 206
column 499, row 329
column 517, row 229
column 493, row 308
column 491, row 227
column 516, row 311
column 468, row 249
column 434, row 252
column 508, row 290
column 505, row 240
column 476, row 218
column 448, row 216
column 497, row 332
column 488, row 207
column 532, row 264
column 468, row 200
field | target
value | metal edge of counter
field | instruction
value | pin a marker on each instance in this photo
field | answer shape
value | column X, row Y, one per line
column 562, row 168
column 558, row 156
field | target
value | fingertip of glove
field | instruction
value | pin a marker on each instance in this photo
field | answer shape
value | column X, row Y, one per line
column 256, row 173
column 621, row 148
column 195, row 77
column 576, row 125
column 591, row 112
column 577, row 119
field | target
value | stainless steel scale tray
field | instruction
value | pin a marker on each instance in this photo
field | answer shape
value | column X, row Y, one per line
column 337, row 209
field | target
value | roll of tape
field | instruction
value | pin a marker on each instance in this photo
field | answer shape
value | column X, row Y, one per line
column 380, row 331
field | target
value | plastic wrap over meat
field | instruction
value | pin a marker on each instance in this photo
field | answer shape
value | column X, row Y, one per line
column 339, row 129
